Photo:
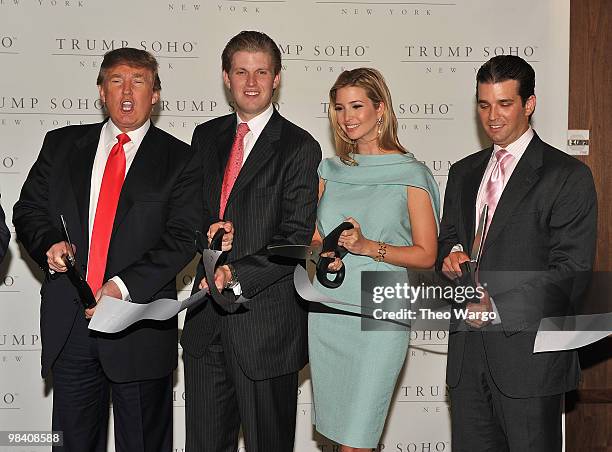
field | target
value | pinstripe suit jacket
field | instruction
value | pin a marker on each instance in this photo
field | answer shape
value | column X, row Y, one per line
column 273, row 201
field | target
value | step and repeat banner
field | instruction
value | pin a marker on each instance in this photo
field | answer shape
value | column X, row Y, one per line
column 429, row 52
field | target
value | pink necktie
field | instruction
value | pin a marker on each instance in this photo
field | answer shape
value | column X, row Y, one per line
column 495, row 184
column 234, row 163
column 110, row 189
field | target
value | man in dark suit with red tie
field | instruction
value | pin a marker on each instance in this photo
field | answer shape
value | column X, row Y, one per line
column 538, row 246
column 260, row 181
column 131, row 197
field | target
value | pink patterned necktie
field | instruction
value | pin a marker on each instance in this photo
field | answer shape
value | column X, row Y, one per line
column 234, row 163
column 495, row 184
column 110, row 189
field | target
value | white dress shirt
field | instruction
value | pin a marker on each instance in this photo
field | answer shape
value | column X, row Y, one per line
column 256, row 126
column 517, row 149
column 108, row 138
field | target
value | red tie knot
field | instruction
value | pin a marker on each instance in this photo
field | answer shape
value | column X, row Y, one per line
column 243, row 129
column 123, row 138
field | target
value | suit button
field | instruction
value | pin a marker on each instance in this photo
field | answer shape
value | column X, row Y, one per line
column 76, row 301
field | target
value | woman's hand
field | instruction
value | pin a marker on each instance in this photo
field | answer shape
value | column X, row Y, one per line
column 335, row 265
column 354, row 241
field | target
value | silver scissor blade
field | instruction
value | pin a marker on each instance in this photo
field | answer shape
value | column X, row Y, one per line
column 299, row 252
column 478, row 238
column 70, row 256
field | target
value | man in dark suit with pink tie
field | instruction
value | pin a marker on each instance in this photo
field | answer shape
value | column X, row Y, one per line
column 260, row 181
column 538, row 246
column 131, row 197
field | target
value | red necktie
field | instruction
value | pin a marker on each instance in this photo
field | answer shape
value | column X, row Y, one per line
column 234, row 163
column 495, row 184
column 112, row 181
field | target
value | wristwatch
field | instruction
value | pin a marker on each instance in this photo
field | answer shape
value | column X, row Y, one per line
column 233, row 282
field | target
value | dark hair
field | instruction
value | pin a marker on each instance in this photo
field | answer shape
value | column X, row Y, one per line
column 508, row 67
column 377, row 91
column 130, row 57
column 251, row 41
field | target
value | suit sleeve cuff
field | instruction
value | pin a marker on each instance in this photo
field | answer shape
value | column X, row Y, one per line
column 237, row 290
column 125, row 293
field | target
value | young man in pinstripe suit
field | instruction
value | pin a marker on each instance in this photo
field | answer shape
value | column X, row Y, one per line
column 241, row 368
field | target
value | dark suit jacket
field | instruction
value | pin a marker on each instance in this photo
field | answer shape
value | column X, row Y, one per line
column 5, row 235
column 152, row 240
column 542, row 233
column 273, row 201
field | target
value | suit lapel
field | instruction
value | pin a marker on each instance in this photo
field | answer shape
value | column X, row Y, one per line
column 525, row 175
column 81, row 166
column 470, row 193
column 259, row 155
column 144, row 165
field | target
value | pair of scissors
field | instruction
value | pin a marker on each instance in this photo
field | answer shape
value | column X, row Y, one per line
column 85, row 294
column 313, row 255
column 469, row 268
column 212, row 257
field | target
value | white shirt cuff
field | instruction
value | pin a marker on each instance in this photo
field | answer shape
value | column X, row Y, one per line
column 457, row 247
column 497, row 319
column 237, row 290
column 125, row 293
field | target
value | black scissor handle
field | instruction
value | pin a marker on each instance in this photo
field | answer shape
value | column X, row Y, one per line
column 323, row 272
column 330, row 243
column 215, row 242
column 201, row 242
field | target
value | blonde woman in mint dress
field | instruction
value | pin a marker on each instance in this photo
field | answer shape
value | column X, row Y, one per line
column 393, row 202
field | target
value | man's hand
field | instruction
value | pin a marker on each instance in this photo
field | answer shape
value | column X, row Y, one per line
column 56, row 255
column 228, row 237
column 110, row 289
column 450, row 265
column 482, row 309
column 223, row 275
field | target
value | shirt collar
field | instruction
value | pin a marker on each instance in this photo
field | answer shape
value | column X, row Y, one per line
column 136, row 136
column 257, row 124
column 517, row 148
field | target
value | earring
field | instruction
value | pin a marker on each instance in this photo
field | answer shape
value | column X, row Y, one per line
column 379, row 123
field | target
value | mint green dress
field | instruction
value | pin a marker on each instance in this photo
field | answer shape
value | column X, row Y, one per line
column 354, row 372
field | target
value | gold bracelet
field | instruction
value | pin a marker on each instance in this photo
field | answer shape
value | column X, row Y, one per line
column 382, row 250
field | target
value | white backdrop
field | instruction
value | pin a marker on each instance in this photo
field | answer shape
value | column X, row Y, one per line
column 429, row 52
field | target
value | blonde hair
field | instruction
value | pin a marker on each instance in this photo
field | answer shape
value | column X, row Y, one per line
column 377, row 91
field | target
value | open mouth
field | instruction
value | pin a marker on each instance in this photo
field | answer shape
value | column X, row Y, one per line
column 351, row 126
column 251, row 93
column 127, row 106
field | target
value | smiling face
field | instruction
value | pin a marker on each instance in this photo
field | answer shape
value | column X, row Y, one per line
column 356, row 114
column 128, row 95
column 251, row 81
column 503, row 116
